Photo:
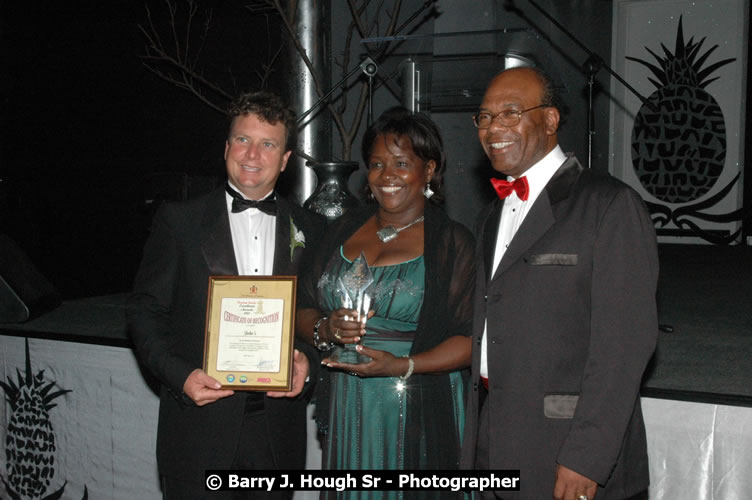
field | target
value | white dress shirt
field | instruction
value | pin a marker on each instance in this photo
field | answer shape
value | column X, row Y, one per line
column 514, row 212
column 253, row 235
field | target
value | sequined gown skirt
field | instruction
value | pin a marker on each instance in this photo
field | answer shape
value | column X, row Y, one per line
column 367, row 415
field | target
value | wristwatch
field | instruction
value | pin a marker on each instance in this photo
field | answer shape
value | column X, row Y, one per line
column 320, row 344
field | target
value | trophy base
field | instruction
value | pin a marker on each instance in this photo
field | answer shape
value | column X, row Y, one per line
column 349, row 355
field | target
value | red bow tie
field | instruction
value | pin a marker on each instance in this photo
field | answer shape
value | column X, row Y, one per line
column 505, row 188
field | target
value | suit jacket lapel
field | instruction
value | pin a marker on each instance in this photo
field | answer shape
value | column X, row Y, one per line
column 490, row 233
column 536, row 223
column 217, row 237
column 541, row 216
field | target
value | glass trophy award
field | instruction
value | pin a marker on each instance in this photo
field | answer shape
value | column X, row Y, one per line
column 355, row 285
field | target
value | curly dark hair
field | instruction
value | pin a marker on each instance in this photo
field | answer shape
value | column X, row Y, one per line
column 424, row 136
column 270, row 108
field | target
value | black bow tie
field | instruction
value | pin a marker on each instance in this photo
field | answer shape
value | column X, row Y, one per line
column 268, row 206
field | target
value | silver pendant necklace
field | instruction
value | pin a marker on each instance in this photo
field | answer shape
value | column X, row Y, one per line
column 388, row 233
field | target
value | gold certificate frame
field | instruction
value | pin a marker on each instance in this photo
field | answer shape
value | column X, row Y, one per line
column 250, row 331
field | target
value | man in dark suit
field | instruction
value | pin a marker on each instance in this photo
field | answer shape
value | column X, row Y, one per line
column 201, row 425
column 565, row 319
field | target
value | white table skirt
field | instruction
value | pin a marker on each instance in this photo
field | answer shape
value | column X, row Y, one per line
column 698, row 451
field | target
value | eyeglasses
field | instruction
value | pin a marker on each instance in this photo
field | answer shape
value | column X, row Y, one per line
column 507, row 118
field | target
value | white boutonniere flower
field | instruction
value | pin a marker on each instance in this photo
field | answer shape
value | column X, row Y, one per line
column 297, row 238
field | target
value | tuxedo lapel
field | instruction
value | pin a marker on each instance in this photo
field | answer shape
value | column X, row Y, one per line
column 541, row 216
column 217, row 237
column 282, row 260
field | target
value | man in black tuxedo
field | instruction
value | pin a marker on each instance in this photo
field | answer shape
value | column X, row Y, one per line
column 565, row 319
column 243, row 228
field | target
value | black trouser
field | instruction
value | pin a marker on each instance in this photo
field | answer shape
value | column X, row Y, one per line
column 253, row 452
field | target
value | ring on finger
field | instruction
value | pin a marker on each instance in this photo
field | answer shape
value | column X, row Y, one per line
column 582, row 497
column 337, row 335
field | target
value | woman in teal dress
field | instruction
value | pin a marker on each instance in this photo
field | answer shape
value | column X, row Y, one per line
column 403, row 409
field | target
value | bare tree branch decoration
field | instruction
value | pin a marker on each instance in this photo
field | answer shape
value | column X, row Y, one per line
column 174, row 53
column 359, row 23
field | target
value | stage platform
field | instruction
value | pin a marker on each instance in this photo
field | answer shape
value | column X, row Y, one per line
column 94, row 320
column 705, row 296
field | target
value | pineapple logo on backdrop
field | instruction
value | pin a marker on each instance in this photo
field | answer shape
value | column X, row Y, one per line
column 30, row 440
column 679, row 150
column 679, row 139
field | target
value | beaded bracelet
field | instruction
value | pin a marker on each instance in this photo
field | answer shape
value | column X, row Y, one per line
column 317, row 341
column 410, row 368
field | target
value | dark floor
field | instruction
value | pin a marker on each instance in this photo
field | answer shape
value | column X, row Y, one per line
column 705, row 295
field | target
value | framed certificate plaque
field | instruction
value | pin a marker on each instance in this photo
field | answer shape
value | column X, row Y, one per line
column 250, row 331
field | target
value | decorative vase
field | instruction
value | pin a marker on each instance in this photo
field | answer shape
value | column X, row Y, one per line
column 332, row 196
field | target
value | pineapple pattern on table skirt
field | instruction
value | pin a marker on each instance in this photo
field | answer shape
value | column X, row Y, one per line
column 679, row 135
column 30, row 439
